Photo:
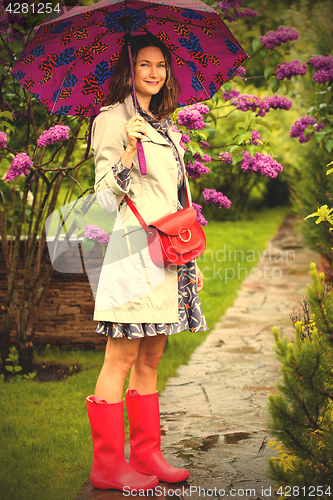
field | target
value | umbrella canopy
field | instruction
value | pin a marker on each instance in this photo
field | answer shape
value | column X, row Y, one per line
column 68, row 63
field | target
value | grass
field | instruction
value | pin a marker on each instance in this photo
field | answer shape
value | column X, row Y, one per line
column 46, row 449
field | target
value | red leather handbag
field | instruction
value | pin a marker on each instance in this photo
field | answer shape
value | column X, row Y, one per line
column 174, row 239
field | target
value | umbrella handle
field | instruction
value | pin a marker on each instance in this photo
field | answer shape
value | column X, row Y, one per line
column 141, row 156
column 139, row 146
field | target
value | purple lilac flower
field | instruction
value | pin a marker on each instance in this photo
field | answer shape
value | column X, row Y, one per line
column 246, row 12
column 245, row 102
column 206, row 158
column 201, row 107
column 276, row 38
column 264, row 164
column 185, row 139
column 210, row 195
column 323, row 75
column 20, row 165
column 240, row 72
column 230, row 95
column 255, row 137
column 3, row 140
column 321, row 62
column 204, row 144
column 276, row 102
column 197, row 169
column 53, row 134
column 226, row 157
column 200, row 218
column 289, row 69
column 96, row 233
column 191, row 116
column 324, row 66
column 297, row 130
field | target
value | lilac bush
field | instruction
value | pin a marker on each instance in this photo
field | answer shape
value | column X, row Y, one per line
column 53, row 134
column 219, row 199
column 196, row 169
column 226, row 157
column 324, row 67
column 200, row 218
column 226, row 5
column 264, row 164
column 20, row 166
column 191, row 116
column 297, row 130
column 281, row 35
column 289, row 69
column 96, row 233
column 3, row 140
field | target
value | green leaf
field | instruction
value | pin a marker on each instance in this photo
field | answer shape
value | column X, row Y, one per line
column 329, row 147
column 17, row 368
column 87, row 245
column 268, row 71
column 264, row 53
column 299, row 46
column 248, row 34
column 280, row 50
column 227, row 86
column 8, row 125
column 195, row 148
column 305, row 58
column 6, row 114
column 274, row 84
column 252, row 150
column 256, row 43
column 237, row 119
column 213, row 117
column 329, row 171
column 9, row 368
column 264, row 123
column 79, row 220
column 319, row 136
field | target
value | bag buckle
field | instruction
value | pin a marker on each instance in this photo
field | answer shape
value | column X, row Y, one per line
column 183, row 239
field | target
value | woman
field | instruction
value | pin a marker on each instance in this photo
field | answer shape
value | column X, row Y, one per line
column 154, row 304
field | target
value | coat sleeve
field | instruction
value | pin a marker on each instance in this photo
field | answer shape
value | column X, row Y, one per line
column 108, row 145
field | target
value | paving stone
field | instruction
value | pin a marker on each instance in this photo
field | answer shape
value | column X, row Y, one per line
column 214, row 412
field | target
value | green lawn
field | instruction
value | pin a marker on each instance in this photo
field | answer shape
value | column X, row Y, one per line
column 46, row 448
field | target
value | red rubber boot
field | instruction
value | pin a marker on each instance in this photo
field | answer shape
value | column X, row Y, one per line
column 145, row 437
column 110, row 469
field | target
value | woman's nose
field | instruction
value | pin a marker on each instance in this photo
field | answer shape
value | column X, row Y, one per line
column 153, row 71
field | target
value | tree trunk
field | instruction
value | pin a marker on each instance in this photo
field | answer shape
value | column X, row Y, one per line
column 26, row 350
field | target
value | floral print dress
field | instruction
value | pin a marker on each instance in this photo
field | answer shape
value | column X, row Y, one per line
column 190, row 313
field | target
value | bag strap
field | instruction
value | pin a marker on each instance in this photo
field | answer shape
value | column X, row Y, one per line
column 135, row 211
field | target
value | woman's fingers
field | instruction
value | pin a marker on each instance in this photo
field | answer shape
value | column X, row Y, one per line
column 135, row 129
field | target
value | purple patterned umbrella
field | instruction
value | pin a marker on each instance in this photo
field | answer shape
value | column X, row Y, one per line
column 67, row 64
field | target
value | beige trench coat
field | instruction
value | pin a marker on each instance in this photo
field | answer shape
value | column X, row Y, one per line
column 131, row 289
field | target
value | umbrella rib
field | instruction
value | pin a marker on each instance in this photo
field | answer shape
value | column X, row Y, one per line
column 73, row 66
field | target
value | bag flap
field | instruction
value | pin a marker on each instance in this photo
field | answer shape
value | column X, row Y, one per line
column 172, row 223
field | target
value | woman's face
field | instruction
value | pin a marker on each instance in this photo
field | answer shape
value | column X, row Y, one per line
column 150, row 72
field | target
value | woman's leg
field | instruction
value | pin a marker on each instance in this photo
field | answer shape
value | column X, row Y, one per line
column 144, row 416
column 143, row 377
column 120, row 355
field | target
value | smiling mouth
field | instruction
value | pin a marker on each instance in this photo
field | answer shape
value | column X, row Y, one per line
column 152, row 83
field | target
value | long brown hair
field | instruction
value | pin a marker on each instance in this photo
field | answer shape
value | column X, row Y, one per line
column 162, row 104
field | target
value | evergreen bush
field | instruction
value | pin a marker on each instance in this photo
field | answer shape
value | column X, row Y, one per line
column 301, row 414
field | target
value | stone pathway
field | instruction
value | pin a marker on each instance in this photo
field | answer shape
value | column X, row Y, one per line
column 213, row 414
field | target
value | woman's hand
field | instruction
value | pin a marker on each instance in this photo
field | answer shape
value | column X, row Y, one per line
column 135, row 129
column 199, row 280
